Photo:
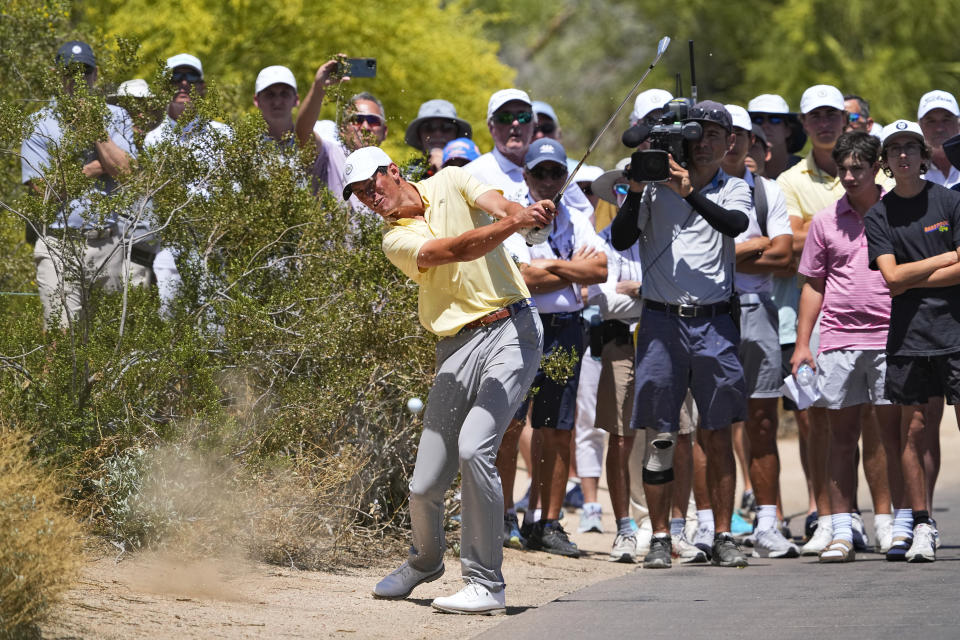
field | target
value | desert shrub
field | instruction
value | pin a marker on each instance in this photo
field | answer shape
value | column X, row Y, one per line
column 285, row 361
column 39, row 543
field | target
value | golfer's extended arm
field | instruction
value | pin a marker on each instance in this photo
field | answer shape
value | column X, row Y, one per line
column 727, row 221
column 478, row 242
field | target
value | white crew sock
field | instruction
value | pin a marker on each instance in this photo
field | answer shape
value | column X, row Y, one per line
column 826, row 522
column 676, row 526
column 842, row 526
column 766, row 517
column 903, row 523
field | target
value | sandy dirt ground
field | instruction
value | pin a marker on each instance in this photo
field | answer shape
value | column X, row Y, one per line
column 156, row 596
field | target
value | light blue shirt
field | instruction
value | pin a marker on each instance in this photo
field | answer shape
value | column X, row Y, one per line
column 41, row 153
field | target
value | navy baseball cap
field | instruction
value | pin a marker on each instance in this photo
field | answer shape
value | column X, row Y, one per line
column 76, row 51
column 543, row 150
column 711, row 111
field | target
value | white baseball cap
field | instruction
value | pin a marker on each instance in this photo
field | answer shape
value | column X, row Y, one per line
column 361, row 165
column 136, row 88
column 740, row 117
column 276, row 74
column 185, row 60
column 937, row 100
column 898, row 127
column 647, row 101
column 768, row 103
column 504, row 96
column 821, row 95
column 588, row 173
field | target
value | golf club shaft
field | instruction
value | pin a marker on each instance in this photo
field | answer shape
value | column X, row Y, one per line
column 661, row 48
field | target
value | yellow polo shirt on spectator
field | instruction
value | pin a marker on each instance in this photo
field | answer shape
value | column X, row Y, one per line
column 808, row 189
column 455, row 294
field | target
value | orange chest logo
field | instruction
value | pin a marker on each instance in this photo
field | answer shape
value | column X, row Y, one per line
column 943, row 226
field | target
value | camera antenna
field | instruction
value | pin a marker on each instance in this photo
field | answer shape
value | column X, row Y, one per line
column 661, row 49
column 693, row 76
column 679, row 91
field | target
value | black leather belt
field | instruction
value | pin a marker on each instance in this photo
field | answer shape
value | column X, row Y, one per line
column 690, row 310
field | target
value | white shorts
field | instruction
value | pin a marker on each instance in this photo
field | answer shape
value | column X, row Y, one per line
column 848, row 377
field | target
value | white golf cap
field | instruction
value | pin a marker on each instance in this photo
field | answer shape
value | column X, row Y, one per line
column 768, row 103
column 739, row 116
column 504, row 96
column 901, row 127
column 361, row 165
column 588, row 173
column 539, row 106
column 136, row 88
column 937, row 100
column 821, row 95
column 647, row 101
column 274, row 75
column 185, row 60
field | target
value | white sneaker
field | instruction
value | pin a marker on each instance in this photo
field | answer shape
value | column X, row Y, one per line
column 624, row 548
column 401, row 582
column 703, row 539
column 884, row 536
column 922, row 549
column 860, row 539
column 936, row 533
column 473, row 599
column 770, row 543
column 591, row 519
column 644, row 535
column 686, row 552
column 822, row 536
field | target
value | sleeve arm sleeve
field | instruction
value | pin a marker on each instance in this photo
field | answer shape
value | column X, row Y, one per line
column 729, row 222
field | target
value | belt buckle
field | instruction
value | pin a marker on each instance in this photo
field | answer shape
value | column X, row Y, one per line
column 687, row 310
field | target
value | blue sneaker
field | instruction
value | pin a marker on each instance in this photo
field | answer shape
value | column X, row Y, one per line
column 898, row 549
column 574, row 497
column 739, row 526
column 512, row 538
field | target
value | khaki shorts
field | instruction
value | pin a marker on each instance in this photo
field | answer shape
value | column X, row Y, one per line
column 615, row 389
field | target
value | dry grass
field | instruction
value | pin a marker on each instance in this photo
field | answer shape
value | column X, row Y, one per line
column 39, row 545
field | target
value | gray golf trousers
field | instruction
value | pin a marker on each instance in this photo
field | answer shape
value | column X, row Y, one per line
column 482, row 375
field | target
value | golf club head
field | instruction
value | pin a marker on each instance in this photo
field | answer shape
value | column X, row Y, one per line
column 662, row 48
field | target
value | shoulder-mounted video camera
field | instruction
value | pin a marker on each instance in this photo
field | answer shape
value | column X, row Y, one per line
column 669, row 134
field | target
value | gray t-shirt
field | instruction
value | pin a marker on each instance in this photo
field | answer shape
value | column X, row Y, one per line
column 41, row 151
column 684, row 259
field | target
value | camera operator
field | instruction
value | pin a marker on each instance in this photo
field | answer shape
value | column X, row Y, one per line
column 686, row 227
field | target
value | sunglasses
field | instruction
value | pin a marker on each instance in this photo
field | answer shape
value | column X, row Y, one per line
column 761, row 118
column 854, row 117
column 507, row 117
column 546, row 127
column 910, row 148
column 548, row 173
column 370, row 118
column 369, row 187
column 193, row 77
column 621, row 189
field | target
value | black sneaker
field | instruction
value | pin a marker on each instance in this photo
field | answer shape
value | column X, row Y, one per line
column 659, row 555
column 551, row 537
column 726, row 552
column 810, row 525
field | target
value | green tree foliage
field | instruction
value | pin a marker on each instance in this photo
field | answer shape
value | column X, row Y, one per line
column 424, row 50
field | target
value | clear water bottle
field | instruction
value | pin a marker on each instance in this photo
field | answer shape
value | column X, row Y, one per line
column 805, row 375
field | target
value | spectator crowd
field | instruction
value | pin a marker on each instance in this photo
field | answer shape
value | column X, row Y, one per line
column 693, row 309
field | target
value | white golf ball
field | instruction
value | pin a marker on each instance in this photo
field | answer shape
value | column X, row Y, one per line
column 414, row 405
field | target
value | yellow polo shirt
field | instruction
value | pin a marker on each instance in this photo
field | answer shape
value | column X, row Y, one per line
column 452, row 295
column 808, row 189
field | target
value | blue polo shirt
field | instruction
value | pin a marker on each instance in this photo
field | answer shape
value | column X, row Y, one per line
column 41, row 152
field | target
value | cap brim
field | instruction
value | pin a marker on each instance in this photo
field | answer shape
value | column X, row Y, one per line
column 602, row 187
column 464, row 130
